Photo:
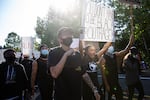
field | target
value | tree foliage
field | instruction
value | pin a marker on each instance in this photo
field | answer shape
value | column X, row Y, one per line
column 13, row 40
column 141, row 23
column 46, row 28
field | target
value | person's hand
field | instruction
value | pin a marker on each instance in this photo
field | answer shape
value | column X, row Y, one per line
column 69, row 52
column 97, row 96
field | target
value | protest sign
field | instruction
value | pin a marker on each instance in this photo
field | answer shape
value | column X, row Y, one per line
column 27, row 45
column 97, row 22
column 75, row 43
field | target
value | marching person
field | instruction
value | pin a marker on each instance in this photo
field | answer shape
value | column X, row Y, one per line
column 90, row 63
column 13, row 78
column 132, row 69
column 110, row 71
column 27, row 63
column 41, row 76
column 65, row 68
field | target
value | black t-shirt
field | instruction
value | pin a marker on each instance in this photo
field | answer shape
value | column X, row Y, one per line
column 68, row 83
column 132, row 68
column 27, row 63
column 111, row 69
column 44, row 80
column 42, row 72
column 91, row 67
column 12, row 82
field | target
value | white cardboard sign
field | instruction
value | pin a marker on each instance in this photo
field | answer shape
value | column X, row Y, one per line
column 27, row 45
column 97, row 22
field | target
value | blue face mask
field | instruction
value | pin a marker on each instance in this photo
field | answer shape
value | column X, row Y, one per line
column 44, row 52
column 110, row 49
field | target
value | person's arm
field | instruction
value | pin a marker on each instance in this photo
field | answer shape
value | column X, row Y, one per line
column 125, row 60
column 33, row 75
column 125, row 51
column 104, row 49
column 102, row 67
column 88, row 80
column 56, row 70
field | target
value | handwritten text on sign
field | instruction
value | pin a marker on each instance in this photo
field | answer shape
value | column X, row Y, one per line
column 98, row 22
column 27, row 45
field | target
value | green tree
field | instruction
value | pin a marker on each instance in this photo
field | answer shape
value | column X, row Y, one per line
column 141, row 23
column 142, row 28
column 13, row 40
column 46, row 28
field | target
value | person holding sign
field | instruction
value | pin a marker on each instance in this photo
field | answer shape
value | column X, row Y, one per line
column 110, row 71
column 90, row 62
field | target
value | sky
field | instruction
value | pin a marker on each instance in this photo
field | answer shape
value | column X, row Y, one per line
column 20, row 16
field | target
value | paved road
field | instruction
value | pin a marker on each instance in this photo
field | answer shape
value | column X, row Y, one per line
column 145, row 82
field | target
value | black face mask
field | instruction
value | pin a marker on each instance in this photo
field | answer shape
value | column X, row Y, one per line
column 10, row 60
column 67, row 41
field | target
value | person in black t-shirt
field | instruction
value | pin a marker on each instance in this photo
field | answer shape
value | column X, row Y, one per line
column 27, row 63
column 13, row 78
column 132, row 69
column 65, row 68
column 110, row 71
column 41, row 76
column 90, row 63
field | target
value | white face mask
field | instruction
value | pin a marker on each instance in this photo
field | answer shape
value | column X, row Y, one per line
column 110, row 50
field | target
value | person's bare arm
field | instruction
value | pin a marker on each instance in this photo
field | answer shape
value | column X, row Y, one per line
column 102, row 67
column 88, row 80
column 104, row 49
column 33, row 75
column 125, row 51
column 56, row 70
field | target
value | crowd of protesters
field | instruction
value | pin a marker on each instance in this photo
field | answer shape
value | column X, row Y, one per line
column 64, row 73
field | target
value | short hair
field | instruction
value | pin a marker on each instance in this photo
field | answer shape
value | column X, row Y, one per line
column 64, row 30
column 42, row 45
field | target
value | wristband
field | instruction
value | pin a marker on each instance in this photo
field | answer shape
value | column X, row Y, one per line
column 95, row 89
